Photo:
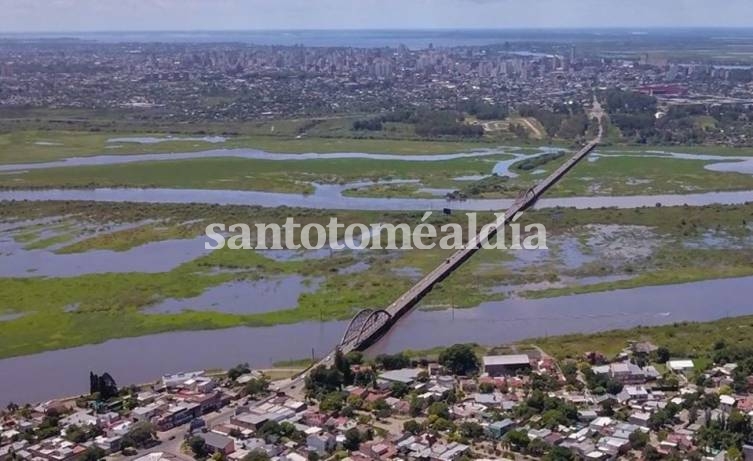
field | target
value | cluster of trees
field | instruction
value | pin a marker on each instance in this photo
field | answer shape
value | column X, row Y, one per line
column 553, row 411
column 392, row 361
column 460, row 359
column 728, row 433
column 354, row 438
column 519, row 441
column 253, row 388
column 102, row 386
column 629, row 102
column 79, row 434
column 326, row 380
column 489, row 185
column 238, row 371
column 427, row 123
column 601, row 383
column 635, row 115
column 531, row 164
column 446, row 124
column 567, row 121
column 483, row 110
column 141, row 435
column 632, row 112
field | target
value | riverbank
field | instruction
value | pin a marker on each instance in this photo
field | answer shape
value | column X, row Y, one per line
column 143, row 360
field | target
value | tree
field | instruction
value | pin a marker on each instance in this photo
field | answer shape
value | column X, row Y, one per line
column 332, row 402
column 355, row 357
column 399, row 390
column 392, row 362
column 553, row 418
column 734, row 454
column 94, row 453
column 140, row 435
column 651, row 454
column 460, row 359
column 439, row 409
column 256, row 387
column 103, row 386
column 638, row 439
column 74, row 433
column 270, row 427
column 352, row 439
column 412, row 426
column 537, row 447
column 198, row 446
column 662, row 354
column 322, row 380
column 343, row 366
column 471, row 430
column 238, row 371
column 381, row 408
column 486, row 388
column 518, row 439
column 558, row 453
column 257, row 455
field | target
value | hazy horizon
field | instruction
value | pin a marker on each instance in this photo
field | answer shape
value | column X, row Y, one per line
column 66, row 16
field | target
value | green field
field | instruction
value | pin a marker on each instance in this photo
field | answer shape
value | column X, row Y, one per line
column 608, row 175
column 245, row 174
column 694, row 340
column 111, row 305
column 43, row 146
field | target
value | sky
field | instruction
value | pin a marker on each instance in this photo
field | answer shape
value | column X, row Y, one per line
column 138, row 15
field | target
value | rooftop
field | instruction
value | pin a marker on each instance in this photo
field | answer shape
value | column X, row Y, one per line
column 515, row 359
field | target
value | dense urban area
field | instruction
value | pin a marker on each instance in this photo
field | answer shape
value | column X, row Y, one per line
column 699, row 100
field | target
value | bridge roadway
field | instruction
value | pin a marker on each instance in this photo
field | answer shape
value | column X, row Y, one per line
column 409, row 299
column 406, row 302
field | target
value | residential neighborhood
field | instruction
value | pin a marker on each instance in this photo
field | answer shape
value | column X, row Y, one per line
column 464, row 403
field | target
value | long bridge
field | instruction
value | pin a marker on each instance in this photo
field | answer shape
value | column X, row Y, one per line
column 369, row 325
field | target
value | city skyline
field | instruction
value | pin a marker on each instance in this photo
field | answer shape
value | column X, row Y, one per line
column 184, row 15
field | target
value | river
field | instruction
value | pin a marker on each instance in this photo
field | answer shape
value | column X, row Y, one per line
column 330, row 197
column 135, row 360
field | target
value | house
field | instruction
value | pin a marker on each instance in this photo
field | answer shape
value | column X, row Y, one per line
column 57, row 449
column 7, row 451
column 727, row 403
column 748, row 452
column 108, row 444
column 249, row 420
column 81, row 419
column 404, row 375
column 505, row 365
column 218, row 443
column 633, row 393
column 613, row 446
column 498, row 429
column 640, row 418
column 321, row 443
column 681, row 366
column 627, row 372
column 179, row 379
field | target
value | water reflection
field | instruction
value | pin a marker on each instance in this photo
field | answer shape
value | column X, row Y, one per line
column 243, row 297
column 150, row 257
